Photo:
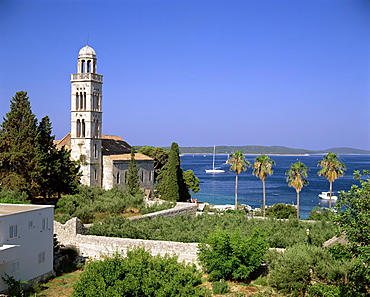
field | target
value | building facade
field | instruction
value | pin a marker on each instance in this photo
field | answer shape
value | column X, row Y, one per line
column 26, row 241
column 104, row 159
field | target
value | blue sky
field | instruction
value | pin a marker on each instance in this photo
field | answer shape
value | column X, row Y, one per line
column 204, row 72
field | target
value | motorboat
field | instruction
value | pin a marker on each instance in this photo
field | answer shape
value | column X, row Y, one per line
column 326, row 196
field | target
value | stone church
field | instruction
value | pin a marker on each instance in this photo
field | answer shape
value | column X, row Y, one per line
column 104, row 158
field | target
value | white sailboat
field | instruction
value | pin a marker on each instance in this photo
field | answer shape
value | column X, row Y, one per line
column 214, row 169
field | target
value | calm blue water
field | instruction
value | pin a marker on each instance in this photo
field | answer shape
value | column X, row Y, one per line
column 219, row 188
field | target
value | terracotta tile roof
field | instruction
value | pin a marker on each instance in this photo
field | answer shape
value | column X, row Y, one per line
column 127, row 157
column 113, row 145
column 66, row 141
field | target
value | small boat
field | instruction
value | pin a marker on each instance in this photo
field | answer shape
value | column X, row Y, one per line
column 326, row 196
column 214, row 169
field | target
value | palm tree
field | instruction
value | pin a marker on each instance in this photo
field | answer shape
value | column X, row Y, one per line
column 296, row 179
column 261, row 168
column 331, row 168
column 238, row 164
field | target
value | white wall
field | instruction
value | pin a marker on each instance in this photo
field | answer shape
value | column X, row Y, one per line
column 30, row 242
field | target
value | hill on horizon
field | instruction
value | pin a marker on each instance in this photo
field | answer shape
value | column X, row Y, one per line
column 258, row 149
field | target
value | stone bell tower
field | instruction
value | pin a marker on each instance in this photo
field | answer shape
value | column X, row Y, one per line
column 86, row 117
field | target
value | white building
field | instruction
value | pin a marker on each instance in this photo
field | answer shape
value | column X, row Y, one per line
column 104, row 158
column 26, row 241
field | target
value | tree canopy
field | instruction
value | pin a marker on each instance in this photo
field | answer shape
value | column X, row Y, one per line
column 29, row 159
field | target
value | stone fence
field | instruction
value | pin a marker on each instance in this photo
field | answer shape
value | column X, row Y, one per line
column 95, row 247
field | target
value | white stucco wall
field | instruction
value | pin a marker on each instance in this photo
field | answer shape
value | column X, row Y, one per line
column 31, row 244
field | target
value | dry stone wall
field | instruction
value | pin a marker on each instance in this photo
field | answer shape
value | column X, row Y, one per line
column 72, row 233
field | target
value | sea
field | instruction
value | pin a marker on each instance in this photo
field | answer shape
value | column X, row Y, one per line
column 219, row 188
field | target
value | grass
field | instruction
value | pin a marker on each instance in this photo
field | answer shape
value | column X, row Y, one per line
column 61, row 286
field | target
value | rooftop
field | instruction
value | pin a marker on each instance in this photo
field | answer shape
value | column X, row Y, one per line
column 6, row 209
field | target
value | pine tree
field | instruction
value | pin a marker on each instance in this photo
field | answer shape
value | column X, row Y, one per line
column 19, row 150
column 59, row 175
column 132, row 179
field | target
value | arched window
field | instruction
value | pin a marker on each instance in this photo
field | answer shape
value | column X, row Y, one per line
column 83, row 66
column 88, row 68
column 78, row 128
column 81, row 101
column 83, row 128
column 77, row 101
column 84, row 100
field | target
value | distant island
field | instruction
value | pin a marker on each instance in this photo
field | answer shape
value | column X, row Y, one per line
column 273, row 150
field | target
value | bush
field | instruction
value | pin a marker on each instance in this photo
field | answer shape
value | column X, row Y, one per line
column 319, row 214
column 145, row 209
column 89, row 202
column 281, row 211
column 280, row 234
column 13, row 197
column 220, row 287
column 226, row 255
column 139, row 274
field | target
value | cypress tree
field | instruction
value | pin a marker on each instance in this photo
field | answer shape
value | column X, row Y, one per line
column 19, row 151
column 132, row 179
column 171, row 185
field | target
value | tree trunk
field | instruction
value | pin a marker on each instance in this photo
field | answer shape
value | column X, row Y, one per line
column 330, row 193
column 264, row 197
column 236, row 191
column 298, row 203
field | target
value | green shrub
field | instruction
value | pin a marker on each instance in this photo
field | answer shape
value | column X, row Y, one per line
column 220, row 287
column 226, row 255
column 280, row 234
column 319, row 214
column 281, row 211
column 13, row 197
column 139, row 274
column 145, row 209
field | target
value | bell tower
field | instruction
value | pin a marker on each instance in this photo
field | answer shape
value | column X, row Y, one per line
column 86, row 117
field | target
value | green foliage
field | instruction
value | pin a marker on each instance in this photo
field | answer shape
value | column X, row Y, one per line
column 19, row 150
column 90, row 201
column 220, row 287
column 159, row 155
column 29, row 160
column 226, row 255
column 13, row 197
column 145, row 209
column 14, row 286
column 280, row 234
column 291, row 271
column 139, row 274
column 132, row 178
column 321, row 290
column 192, row 182
column 319, row 214
column 171, row 185
column 281, row 211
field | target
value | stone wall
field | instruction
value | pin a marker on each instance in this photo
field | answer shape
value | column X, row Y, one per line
column 95, row 247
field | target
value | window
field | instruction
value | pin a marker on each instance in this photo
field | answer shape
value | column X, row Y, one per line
column 83, row 66
column 95, row 174
column 13, row 231
column 78, row 128
column 88, row 66
column 83, row 128
column 118, row 178
column 15, row 266
column 142, row 176
column 42, row 257
column 45, row 223
column 30, row 224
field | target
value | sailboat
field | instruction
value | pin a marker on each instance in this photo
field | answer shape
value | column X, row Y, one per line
column 214, row 169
